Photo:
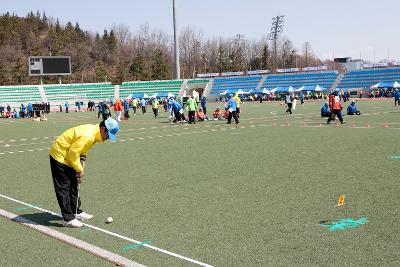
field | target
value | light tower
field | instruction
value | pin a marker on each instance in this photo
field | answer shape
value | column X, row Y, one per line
column 276, row 29
column 176, row 45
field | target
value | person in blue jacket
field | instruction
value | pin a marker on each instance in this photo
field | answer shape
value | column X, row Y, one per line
column 30, row 110
column 301, row 97
column 126, row 109
column 143, row 104
column 325, row 110
column 176, row 108
column 397, row 97
column 231, row 107
column 66, row 106
column 352, row 109
column 23, row 110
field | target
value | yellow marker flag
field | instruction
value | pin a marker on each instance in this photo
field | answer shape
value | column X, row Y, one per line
column 340, row 201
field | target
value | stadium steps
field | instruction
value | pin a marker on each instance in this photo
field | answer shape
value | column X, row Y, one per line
column 337, row 81
column 261, row 82
column 116, row 91
column 42, row 93
column 208, row 87
column 184, row 88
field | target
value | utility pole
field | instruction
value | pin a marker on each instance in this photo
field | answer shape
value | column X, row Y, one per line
column 276, row 30
column 176, row 45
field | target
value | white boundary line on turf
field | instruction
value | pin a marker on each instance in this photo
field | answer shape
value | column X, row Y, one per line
column 94, row 250
column 115, row 234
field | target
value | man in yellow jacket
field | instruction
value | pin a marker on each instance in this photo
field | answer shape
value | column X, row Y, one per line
column 238, row 102
column 67, row 159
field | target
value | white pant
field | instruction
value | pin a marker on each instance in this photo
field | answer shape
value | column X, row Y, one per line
column 118, row 117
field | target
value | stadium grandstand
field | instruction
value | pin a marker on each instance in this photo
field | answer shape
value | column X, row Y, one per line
column 323, row 79
column 92, row 91
column 58, row 93
column 245, row 83
column 149, row 87
column 364, row 79
column 18, row 94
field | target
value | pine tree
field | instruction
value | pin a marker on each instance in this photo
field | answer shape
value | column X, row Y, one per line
column 266, row 57
column 138, row 68
column 159, row 68
column 101, row 71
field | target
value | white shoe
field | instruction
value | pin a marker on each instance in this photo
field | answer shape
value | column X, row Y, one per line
column 73, row 223
column 83, row 216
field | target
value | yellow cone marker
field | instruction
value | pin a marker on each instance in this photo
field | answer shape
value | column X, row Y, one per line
column 340, row 201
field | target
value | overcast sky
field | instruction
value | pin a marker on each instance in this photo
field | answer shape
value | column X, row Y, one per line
column 334, row 28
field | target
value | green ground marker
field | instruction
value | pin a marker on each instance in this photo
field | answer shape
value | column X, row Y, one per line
column 136, row 245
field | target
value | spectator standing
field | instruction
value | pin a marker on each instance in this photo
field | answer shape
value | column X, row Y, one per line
column 397, row 98
column 192, row 108
column 238, row 102
column 30, row 110
column 23, row 110
column 289, row 103
column 232, row 108
column 126, row 109
column 118, row 109
column 204, row 105
column 154, row 106
column 301, row 97
column 66, row 106
column 143, row 104
column 134, row 104
column 336, row 107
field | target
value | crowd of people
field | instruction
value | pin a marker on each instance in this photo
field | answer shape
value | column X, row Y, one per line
column 195, row 106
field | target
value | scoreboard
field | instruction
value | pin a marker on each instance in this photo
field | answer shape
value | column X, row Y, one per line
column 48, row 65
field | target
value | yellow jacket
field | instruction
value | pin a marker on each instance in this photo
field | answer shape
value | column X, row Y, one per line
column 237, row 99
column 73, row 143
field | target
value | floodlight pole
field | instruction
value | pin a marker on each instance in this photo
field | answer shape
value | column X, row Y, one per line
column 276, row 30
column 176, row 45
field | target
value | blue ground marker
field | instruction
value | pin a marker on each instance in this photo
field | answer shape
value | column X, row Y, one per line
column 394, row 157
column 136, row 245
column 344, row 224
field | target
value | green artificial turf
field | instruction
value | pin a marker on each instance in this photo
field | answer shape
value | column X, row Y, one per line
column 248, row 196
column 21, row 246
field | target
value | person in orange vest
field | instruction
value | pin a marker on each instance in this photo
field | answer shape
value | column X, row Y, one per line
column 118, row 109
column 336, row 107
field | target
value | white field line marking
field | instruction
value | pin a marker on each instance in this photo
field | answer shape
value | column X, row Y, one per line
column 94, row 250
column 115, row 234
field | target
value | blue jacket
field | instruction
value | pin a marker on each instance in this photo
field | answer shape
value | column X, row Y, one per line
column 23, row 108
column 170, row 101
column 397, row 95
column 30, row 107
column 176, row 106
column 203, row 101
column 301, row 96
column 231, row 104
column 352, row 108
column 143, row 102
column 126, row 105
column 325, row 109
column 66, row 104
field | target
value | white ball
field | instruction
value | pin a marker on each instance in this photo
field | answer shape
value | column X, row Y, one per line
column 109, row 220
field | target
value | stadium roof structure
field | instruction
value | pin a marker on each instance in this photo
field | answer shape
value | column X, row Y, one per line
column 381, row 85
column 283, row 89
column 311, row 88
